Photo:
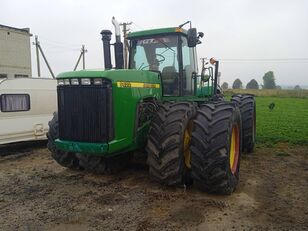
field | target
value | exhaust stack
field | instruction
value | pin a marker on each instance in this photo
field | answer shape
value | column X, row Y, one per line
column 118, row 46
column 117, row 29
column 106, row 37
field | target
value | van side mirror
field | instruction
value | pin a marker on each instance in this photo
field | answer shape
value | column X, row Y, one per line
column 206, row 74
column 192, row 38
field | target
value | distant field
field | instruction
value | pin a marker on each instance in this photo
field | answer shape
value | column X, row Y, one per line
column 287, row 122
column 302, row 93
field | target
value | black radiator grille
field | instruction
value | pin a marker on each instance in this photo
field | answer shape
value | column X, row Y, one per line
column 85, row 112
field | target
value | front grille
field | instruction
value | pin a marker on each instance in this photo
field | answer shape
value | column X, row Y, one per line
column 85, row 112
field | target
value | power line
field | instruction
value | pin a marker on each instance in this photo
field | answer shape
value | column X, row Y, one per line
column 139, row 27
column 265, row 61
column 272, row 59
column 59, row 43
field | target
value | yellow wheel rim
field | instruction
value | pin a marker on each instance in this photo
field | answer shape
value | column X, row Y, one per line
column 234, row 149
column 187, row 138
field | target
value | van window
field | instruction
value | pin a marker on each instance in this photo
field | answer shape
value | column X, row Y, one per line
column 3, row 76
column 14, row 102
column 21, row 76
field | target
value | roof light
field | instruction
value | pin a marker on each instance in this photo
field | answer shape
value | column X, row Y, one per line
column 98, row 81
column 60, row 82
column 85, row 82
column 213, row 61
column 66, row 82
column 74, row 82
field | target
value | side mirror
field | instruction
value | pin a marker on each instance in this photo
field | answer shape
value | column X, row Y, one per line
column 206, row 74
column 192, row 38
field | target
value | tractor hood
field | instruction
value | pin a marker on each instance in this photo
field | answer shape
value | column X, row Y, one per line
column 130, row 88
column 121, row 75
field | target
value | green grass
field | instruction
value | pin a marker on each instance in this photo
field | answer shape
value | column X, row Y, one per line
column 287, row 122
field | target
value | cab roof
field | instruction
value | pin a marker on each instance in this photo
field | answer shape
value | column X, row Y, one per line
column 156, row 32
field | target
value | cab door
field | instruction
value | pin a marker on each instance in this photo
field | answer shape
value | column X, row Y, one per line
column 189, row 67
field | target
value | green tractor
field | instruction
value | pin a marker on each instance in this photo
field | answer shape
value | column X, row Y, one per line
column 160, row 106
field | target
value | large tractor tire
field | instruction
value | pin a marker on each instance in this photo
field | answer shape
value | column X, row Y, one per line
column 216, row 147
column 103, row 165
column 66, row 159
column 168, row 143
column 247, row 106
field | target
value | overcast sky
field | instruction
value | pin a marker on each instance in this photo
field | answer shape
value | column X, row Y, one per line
column 234, row 29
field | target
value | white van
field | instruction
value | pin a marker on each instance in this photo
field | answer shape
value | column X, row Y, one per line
column 26, row 107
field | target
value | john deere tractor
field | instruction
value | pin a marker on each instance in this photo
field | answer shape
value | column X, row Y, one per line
column 158, row 105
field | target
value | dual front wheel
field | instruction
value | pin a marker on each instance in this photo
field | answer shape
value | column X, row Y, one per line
column 216, row 148
column 202, row 144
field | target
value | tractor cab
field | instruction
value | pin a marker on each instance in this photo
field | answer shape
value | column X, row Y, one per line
column 165, row 51
column 172, row 53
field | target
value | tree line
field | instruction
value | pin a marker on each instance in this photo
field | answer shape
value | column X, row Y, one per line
column 269, row 82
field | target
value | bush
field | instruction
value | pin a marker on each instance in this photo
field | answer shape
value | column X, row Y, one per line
column 252, row 84
column 237, row 84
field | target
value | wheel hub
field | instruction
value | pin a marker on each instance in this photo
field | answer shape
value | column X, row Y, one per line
column 187, row 138
column 235, row 148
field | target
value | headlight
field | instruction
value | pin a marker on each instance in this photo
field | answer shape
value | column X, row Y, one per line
column 60, row 82
column 74, row 82
column 98, row 81
column 66, row 82
column 85, row 82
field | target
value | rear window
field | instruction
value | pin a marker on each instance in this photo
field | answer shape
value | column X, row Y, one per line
column 14, row 102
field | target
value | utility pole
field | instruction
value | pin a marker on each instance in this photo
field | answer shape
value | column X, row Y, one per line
column 203, row 62
column 39, row 49
column 83, row 57
column 125, row 30
column 82, row 54
column 36, row 43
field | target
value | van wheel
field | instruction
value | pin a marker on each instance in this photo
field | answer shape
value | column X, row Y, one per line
column 65, row 159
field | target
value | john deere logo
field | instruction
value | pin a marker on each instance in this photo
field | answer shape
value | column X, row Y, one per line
column 137, row 85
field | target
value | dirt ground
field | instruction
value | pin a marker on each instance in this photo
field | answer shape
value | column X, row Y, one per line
column 38, row 194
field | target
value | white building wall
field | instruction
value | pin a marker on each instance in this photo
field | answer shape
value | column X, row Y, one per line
column 15, row 52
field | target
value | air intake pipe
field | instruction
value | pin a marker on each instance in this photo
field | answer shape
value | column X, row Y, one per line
column 106, row 37
column 118, row 46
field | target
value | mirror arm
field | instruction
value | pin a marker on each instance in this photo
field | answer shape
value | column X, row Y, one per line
column 216, row 76
column 194, row 75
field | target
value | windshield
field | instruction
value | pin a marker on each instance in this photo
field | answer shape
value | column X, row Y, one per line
column 154, row 53
column 158, row 53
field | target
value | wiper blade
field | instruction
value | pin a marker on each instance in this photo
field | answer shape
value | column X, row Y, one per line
column 165, row 44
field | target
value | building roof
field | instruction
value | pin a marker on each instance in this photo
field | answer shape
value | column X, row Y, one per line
column 24, row 30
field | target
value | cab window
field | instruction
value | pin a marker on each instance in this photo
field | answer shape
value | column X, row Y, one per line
column 158, row 53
